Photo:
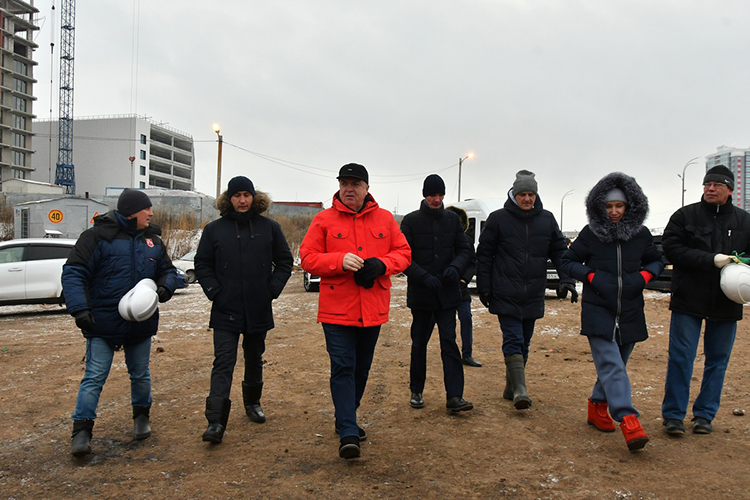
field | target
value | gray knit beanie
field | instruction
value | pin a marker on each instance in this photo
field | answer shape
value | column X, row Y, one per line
column 616, row 194
column 524, row 182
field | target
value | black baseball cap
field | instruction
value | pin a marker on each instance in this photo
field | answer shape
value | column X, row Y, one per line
column 354, row 171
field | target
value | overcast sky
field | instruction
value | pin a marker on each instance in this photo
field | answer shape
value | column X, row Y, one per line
column 571, row 90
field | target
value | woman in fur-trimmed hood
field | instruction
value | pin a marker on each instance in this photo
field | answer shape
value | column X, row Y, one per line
column 242, row 263
column 614, row 256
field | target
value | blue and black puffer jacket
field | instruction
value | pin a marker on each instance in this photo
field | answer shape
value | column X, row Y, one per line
column 106, row 262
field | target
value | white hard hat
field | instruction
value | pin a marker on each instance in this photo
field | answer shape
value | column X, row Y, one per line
column 141, row 302
column 735, row 282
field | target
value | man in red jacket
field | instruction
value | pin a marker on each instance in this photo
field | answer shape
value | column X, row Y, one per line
column 355, row 247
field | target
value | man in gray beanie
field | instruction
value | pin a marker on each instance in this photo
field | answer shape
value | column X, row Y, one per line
column 512, row 258
column 698, row 242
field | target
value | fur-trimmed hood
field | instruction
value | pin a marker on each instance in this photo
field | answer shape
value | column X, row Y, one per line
column 635, row 214
column 261, row 203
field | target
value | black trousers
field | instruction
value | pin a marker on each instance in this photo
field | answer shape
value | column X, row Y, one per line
column 423, row 322
column 225, row 358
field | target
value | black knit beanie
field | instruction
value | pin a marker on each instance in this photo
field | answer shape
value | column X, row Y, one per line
column 240, row 183
column 433, row 184
column 722, row 174
column 132, row 201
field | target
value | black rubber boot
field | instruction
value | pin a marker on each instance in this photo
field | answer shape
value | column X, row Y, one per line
column 516, row 371
column 251, row 398
column 217, row 414
column 82, row 432
column 141, row 427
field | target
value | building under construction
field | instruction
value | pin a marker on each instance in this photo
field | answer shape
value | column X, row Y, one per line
column 16, row 88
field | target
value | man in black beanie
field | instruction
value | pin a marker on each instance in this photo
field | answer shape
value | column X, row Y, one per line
column 698, row 242
column 441, row 254
column 107, row 261
column 242, row 263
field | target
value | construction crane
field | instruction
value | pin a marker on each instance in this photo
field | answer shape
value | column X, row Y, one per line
column 65, row 172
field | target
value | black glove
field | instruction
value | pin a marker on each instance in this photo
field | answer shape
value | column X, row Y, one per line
column 433, row 283
column 85, row 320
column 366, row 275
column 451, row 274
column 573, row 292
column 163, row 293
column 485, row 299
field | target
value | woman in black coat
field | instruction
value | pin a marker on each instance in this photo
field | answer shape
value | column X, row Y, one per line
column 614, row 256
column 242, row 263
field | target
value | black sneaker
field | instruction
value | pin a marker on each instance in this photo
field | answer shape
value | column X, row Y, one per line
column 674, row 427
column 417, row 401
column 702, row 426
column 349, row 447
column 457, row 403
column 362, row 433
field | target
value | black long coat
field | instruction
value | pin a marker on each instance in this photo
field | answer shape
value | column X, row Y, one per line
column 242, row 263
column 512, row 258
column 612, row 304
column 437, row 240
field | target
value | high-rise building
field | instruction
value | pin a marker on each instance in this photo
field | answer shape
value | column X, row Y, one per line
column 118, row 151
column 16, row 87
column 738, row 161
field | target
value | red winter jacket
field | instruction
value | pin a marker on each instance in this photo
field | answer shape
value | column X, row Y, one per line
column 372, row 232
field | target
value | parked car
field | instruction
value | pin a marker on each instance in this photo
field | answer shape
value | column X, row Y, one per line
column 311, row 282
column 182, row 278
column 553, row 281
column 663, row 282
column 187, row 264
column 31, row 268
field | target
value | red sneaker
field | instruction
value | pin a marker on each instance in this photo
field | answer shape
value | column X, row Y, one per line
column 635, row 436
column 599, row 417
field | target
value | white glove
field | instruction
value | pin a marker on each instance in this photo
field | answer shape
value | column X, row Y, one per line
column 721, row 260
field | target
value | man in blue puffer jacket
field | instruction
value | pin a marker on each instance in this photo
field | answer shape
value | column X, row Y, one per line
column 107, row 261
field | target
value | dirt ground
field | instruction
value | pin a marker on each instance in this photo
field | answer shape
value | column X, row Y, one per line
column 493, row 451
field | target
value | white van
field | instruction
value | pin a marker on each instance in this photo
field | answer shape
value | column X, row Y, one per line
column 478, row 210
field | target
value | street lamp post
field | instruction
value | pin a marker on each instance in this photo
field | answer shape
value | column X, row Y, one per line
column 460, row 163
column 683, row 178
column 217, row 129
column 561, row 207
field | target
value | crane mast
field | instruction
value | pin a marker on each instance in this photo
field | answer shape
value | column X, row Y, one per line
column 65, row 172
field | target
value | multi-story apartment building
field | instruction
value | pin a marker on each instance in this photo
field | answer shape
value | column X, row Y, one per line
column 118, row 151
column 16, row 87
column 738, row 161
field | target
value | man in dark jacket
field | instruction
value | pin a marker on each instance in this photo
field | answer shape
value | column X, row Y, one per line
column 107, row 261
column 697, row 241
column 464, row 308
column 242, row 263
column 440, row 253
column 512, row 258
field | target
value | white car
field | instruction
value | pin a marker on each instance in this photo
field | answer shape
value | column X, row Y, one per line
column 31, row 268
column 187, row 264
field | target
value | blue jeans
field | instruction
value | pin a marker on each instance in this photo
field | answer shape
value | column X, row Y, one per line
column 422, row 325
column 464, row 317
column 516, row 335
column 612, row 383
column 99, row 356
column 351, row 349
column 684, row 335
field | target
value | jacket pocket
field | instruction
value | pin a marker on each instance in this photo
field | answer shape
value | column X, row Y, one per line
column 381, row 236
column 339, row 295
